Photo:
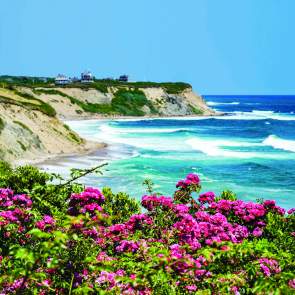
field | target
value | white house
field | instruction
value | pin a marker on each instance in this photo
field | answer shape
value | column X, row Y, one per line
column 86, row 77
column 62, row 80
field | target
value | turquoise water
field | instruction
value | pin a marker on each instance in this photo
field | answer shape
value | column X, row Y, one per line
column 250, row 151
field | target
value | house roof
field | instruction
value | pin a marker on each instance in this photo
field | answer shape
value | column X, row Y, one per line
column 61, row 77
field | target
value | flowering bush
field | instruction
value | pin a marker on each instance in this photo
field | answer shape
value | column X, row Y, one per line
column 100, row 243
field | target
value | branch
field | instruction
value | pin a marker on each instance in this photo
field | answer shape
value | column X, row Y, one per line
column 87, row 171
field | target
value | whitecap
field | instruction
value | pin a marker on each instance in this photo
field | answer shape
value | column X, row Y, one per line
column 214, row 103
column 256, row 115
column 212, row 148
column 117, row 130
column 217, row 148
column 279, row 143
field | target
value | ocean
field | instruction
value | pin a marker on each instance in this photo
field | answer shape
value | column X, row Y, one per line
column 250, row 150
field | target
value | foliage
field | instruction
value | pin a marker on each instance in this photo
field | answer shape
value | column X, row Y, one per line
column 130, row 102
column 125, row 102
column 196, row 110
column 87, row 107
column 27, row 101
column 62, row 238
column 128, row 99
column 169, row 87
column 2, row 124
column 99, row 84
column 119, row 206
column 37, row 104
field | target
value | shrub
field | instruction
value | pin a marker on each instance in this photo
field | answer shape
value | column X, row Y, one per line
column 120, row 206
column 130, row 102
column 23, row 178
column 98, row 242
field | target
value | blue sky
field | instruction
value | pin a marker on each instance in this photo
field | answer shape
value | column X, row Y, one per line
column 220, row 47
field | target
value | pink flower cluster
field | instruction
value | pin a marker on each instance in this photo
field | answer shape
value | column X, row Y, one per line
column 269, row 266
column 8, row 199
column 87, row 201
column 205, row 229
column 14, row 209
column 113, row 282
column 14, row 287
column 246, row 211
column 127, row 246
column 191, row 179
column 271, row 205
column 152, row 202
column 207, row 197
column 180, row 230
column 184, row 263
column 47, row 223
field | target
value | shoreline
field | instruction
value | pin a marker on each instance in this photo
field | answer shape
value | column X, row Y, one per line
column 120, row 117
column 90, row 147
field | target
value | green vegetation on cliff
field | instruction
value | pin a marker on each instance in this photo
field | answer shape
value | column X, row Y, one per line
column 112, row 97
column 14, row 97
column 131, row 102
column 2, row 124
column 99, row 84
column 128, row 102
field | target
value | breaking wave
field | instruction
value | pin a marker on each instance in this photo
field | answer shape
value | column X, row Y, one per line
column 213, row 103
column 279, row 143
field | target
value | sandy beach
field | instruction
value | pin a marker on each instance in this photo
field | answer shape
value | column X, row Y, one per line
column 88, row 148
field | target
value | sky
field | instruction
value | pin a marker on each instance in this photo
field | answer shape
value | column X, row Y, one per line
column 220, row 47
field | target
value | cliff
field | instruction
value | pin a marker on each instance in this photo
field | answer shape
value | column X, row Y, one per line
column 74, row 102
column 30, row 130
column 31, row 114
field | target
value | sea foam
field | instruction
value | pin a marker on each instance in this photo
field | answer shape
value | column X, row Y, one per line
column 213, row 103
column 279, row 143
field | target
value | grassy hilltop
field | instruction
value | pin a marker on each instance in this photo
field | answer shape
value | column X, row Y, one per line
column 128, row 97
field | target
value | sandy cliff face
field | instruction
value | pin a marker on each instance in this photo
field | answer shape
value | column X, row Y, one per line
column 181, row 104
column 70, row 103
column 28, row 134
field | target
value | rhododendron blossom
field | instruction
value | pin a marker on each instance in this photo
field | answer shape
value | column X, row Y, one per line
column 269, row 266
column 188, row 245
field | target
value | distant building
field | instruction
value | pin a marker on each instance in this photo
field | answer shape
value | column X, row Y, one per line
column 62, row 80
column 123, row 78
column 86, row 77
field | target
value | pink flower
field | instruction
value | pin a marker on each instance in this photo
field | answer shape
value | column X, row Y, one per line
column 46, row 223
column 207, row 197
column 269, row 203
column 191, row 179
column 180, row 209
column 191, row 288
column 269, row 266
column 48, row 219
column 151, row 202
column 87, row 201
column 257, row 232
column 127, row 246
column 291, row 283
